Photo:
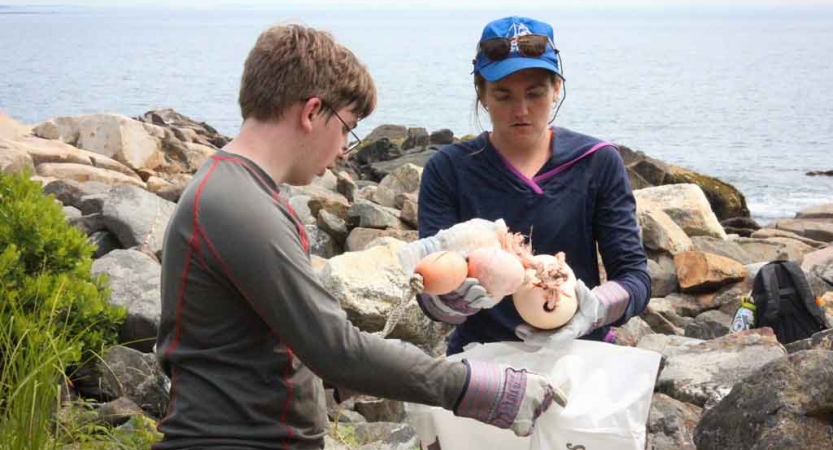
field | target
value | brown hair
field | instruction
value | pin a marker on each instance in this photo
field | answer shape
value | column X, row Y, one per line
column 480, row 90
column 292, row 63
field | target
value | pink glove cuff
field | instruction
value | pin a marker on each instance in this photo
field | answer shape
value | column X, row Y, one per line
column 614, row 299
column 493, row 393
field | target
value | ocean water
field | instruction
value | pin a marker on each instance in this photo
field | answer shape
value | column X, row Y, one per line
column 740, row 95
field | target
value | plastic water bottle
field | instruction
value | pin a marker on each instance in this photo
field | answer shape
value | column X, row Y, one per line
column 745, row 314
column 412, row 252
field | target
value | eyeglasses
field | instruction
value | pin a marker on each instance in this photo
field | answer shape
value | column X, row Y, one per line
column 531, row 45
column 353, row 145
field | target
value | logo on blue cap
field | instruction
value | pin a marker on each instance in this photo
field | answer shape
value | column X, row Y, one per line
column 514, row 27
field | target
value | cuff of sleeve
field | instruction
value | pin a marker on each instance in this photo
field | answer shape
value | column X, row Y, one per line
column 615, row 300
column 493, row 393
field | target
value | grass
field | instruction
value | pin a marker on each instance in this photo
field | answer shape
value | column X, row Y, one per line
column 34, row 354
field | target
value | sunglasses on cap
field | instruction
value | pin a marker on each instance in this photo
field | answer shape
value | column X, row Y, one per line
column 531, row 45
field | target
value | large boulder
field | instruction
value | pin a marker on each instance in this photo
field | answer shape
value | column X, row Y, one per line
column 45, row 151
column 824, row 211
column 184, row 128
column 128, row 141
column 127, row 373
column 699, row 271
column 705, row 373
column 13, row 159
column 686, row 205
column 370, row 285
column 726, row 200
column 816, row 229
column 785, row 404
column 405, row 179
column 135, row 284
column 660, row 233
column 671, row 424
column 83, row 173
column 137, row 217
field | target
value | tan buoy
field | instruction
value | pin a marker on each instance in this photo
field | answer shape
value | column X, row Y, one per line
column 532, row 303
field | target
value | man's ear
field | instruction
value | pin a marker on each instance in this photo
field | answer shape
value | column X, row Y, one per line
column 310, row 109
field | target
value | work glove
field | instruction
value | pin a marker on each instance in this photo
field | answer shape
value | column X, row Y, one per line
column 462, row 237
column 505, row 397
column 453, row 307
column 598, row 307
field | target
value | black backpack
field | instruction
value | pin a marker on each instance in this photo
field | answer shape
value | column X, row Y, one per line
column 785, row 302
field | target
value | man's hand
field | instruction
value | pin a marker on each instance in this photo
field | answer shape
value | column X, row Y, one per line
column 505, row 397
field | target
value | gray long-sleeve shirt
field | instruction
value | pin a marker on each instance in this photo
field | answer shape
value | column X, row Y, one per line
column 246, row 326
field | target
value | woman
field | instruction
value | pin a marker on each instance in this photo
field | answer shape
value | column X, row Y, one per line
column 565, row 191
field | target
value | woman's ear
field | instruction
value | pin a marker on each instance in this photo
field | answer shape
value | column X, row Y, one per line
column 556, row 87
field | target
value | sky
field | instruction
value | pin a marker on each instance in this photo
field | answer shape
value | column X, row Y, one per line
column 423, row 4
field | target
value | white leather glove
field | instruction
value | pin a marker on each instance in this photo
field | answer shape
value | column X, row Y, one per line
column 604, row 304
column 453, row 307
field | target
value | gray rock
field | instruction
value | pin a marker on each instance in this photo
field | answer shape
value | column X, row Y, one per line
column 137, row 217
column 663, row 282
column 379, row 170
column 405, row 179
column 300, row 204
column 671, row 424
column 92, row 203
column 386, row 131
column 333, row 226
column 819, row 230
column 816, row 212
column 667, row 346
column 386, row 436
column 785, row 404
column 722, row 247
column 89, row 224
column 105, row 242
column 346, row 187
column 376, row 151
column 320, row 243
column 410, row 210
column 119, row 411
column 71, row 212
column 823, row 340
column 372, row 289
column 417, row 137
column 630, row 333
column 379, row 409
column 662, row 317
column 709, row 325
column 359, row 238
column 135, row 283
column 705, row 373
column 70, row 192
column 766, row 233
column 370, row 215
column 442, row 136
column 125, row 372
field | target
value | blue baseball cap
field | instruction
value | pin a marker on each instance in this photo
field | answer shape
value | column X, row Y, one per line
column 513, row 27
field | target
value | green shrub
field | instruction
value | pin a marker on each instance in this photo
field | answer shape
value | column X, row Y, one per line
column 46, row 268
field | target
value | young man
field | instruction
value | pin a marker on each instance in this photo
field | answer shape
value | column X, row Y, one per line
column 247, row 331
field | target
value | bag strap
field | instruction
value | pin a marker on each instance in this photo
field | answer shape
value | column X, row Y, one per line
column 769, row 280
column 804, row 291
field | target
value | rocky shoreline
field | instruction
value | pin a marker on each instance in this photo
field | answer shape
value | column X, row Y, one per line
column 118, row 179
